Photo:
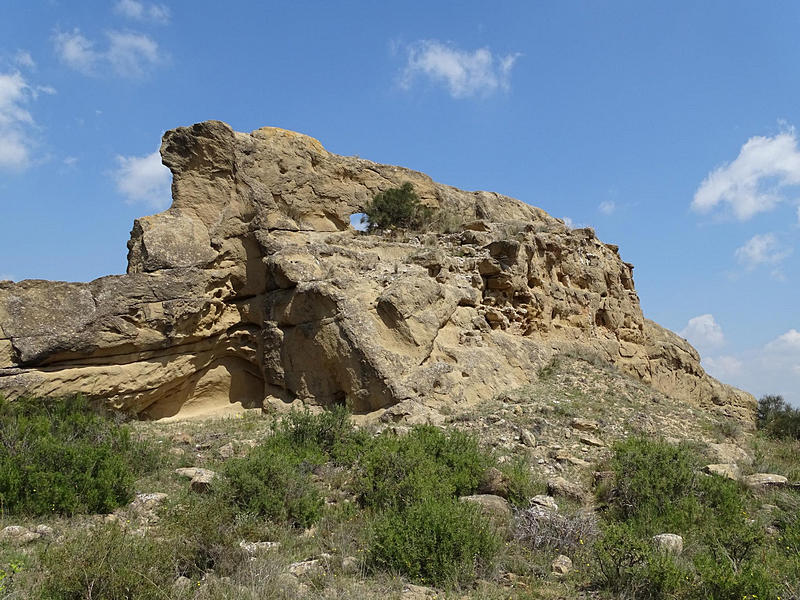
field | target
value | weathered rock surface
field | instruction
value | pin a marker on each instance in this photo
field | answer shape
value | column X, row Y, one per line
column 252, row 288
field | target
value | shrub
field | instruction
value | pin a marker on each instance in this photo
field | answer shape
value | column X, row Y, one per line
column 399, row 471
column 274, row 481
column 777, row 418
column 442, row 541
column 106, row 563
column 61, row 456
column 654, row 484
column 542, row 529
column 521, row 484
column 397, row 208
column 329, row 432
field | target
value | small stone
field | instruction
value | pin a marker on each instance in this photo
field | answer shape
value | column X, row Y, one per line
column 494, row 482
column 174, row 451
column 201, row 482
column 182, row 584
column 305, row 568
column 546, row 502
column 181, row 438
column 416, row 592
column 192, row 472
column 227, row 451
column 349, row 565
column 729, row 470
column 584, row 424
column 590, row 440
column 558, row 486
column 253, row 548
column 764, row 480
column 496, row 508
column 18, row 535
column 669, row 542
column 527, row 438
column 561, row 565
column 44, row 530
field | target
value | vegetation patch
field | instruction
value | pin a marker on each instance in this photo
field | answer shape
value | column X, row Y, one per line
column 60, row 456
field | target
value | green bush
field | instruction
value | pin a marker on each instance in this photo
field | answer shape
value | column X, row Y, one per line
column 61, row 456
column 437, row 540
column 521, row 484
column 397, row 208
column 329, row 432
column 274, row 481
column 777, row 418
column 397, row 471
column 654, row 485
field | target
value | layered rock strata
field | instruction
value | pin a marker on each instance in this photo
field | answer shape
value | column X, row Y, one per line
column 253, row 288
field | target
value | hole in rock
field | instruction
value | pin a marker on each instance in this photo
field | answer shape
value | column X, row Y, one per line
column 358, row 221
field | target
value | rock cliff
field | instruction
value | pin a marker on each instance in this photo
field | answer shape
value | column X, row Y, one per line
column 252, row 288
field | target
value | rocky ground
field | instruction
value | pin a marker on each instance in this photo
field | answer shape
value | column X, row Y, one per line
column 561, row 428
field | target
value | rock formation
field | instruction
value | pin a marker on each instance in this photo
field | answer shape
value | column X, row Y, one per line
column 252, row 288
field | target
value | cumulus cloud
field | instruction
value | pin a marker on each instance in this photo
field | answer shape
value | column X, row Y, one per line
column 141, row 11
column 76, row 51
column 723, row 367
column 464, row 73
column 756, row 180
column 773, row 368
column 703, row 331
column 130, row 54
column 17, row 126
column 607, row 207
column 144, row 179
column 127, row 54
column 764, row 249
column 788, row 341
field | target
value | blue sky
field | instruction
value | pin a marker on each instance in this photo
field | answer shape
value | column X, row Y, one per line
column 668, row 128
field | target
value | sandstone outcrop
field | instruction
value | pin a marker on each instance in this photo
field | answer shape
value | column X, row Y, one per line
column 252, row 288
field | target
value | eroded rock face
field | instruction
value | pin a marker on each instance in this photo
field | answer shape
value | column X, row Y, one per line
column 253, row 288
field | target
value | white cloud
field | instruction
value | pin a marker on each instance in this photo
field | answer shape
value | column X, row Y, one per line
column 140, row 11
column 144, row 179
column 569, row 222
column 24, row 59
column 17, row 126
column 703, row 331
column 788, row 341
column 607, row 207
column 798, row 215
column 128, row 54
column 76, row 51
column 464, row 73
column 723, row 367
column 761, row 249
column 756, row 180
column 70, row 161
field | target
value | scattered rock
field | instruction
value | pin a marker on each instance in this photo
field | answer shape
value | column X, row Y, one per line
column 584, row 424
column 192, row 472
column 201, row 482
column 182, row 438
column 496, row 508
column 18, row 535
column 558, row 486
column 416, row 592
column 729, row 453
column 306, row 568
column 729, row 470
column 527, row 438
column 350, row 565
column 227, row 451
column 495, row 483
column 147, row 503
column 764, row 480
column 410, row 412
column 590, row 440
column 44, row 530
column 669, row 542
column 253, row 548
column 546, row 502
column 561, row 565
column 182, row 585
